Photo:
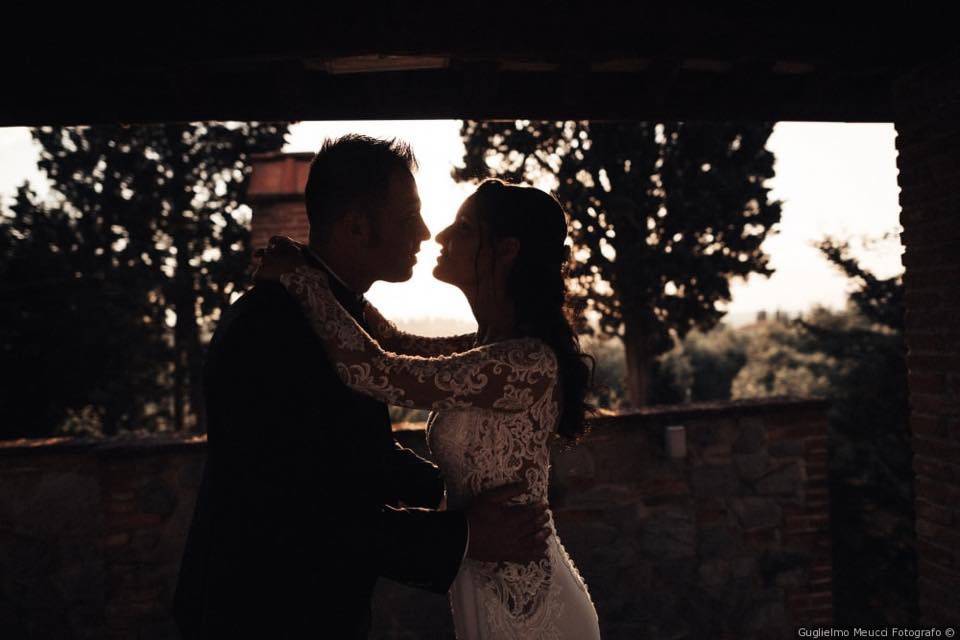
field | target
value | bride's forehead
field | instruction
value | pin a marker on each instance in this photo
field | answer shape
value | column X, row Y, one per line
column 467, row 210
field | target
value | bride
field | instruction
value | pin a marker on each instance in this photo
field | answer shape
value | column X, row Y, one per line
column 496, row 404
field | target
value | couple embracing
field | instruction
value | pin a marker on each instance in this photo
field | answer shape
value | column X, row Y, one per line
column 307, row 498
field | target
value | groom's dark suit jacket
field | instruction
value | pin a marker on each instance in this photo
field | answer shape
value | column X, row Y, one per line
column 293, row 523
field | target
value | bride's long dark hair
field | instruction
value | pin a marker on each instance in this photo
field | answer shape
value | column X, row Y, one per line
column 537, row 283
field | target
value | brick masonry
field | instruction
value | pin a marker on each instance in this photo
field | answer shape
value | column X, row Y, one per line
column 730, row 541
column 276, row 197
column 928, row 141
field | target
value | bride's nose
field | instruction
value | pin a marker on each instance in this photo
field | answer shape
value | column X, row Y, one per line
column 441, row 238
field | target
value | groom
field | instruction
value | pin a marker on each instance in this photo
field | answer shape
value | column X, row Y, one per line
column 299, row 510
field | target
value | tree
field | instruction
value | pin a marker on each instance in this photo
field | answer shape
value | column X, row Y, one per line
column 871, row 465
column 662, row 215
column 785, row 359
column 701, row 367
column 880, row 300
column 121, row 272
column 857, row 358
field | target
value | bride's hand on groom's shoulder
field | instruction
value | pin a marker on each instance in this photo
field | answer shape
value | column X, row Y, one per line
column 282, row 255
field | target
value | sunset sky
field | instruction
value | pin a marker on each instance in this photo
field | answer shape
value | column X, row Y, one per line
column 833, row 178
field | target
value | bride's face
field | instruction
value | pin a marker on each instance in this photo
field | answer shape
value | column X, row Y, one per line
column 464, row 257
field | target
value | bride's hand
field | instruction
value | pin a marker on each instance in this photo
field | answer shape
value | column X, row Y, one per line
column 281, row 256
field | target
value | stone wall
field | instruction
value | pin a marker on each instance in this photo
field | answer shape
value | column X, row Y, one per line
column 91, row 535
column 928, row 127
column 730, row 541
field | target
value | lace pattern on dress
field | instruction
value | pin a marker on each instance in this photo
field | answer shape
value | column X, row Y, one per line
column 479, row 450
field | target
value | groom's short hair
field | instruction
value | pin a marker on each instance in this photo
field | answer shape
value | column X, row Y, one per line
column 352, row 172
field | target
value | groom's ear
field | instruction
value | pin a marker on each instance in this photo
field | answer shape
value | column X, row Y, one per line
column 357, row 225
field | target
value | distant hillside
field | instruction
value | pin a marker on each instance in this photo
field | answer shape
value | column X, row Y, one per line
column 746, row 318
column 435, row 326
column 740, row 319
column 430, row 326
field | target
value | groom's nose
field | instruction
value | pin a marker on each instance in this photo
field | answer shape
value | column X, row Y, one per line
column 423, row 233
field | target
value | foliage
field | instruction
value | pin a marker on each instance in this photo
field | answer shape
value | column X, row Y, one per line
column 662, row 215
column 856, row 358
column 110, row 287
column 609, row 373
column 784, row 359
column 701, row 367
column 871, row 473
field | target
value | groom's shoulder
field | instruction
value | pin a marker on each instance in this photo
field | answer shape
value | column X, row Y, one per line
column 267, row 303
column 263, row 295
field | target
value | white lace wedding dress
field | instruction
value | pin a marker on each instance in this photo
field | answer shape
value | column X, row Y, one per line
column 495, row 409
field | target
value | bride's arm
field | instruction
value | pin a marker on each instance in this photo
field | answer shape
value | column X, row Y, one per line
column 283, row 254
column 391, row 338
column 509, row 376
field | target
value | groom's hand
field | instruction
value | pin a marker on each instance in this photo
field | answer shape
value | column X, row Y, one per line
column 500, row 532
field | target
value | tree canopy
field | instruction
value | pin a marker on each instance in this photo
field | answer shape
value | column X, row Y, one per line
column 109, row 286
column 662, row 216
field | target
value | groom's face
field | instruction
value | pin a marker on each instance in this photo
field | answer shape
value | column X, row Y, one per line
column 397, row 229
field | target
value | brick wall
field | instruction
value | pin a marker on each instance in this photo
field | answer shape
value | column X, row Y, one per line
column 276, row 196
column 928, row 128
column 730, row 541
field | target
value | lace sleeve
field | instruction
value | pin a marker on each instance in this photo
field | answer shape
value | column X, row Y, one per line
column 393, row 339
column 508, row 376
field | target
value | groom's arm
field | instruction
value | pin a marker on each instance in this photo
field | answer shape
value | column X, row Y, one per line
column 410, row 480
column 422, row 548
column 417, row 547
